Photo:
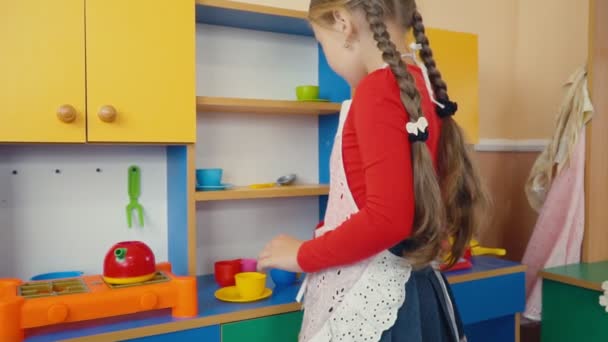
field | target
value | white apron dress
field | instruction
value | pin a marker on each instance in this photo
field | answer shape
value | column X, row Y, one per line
column 356, row 302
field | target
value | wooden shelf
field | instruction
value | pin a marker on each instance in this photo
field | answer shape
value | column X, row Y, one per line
column 254, row 17
column 254, row 106
column 241, row 193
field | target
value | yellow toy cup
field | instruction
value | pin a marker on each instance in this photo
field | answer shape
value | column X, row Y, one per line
column 250, row 284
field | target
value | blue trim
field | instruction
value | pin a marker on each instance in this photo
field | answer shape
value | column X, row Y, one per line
column 334, row 88
column 490, row 298
column 252, row 21
column 177, row 208
column 483, row 264
column 322, row 206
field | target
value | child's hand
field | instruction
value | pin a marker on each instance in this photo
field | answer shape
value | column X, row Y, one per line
column 281, row 253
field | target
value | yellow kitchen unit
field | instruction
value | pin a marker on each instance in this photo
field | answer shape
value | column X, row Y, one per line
column 42, row 68
column 97, row 71
column 141, row 71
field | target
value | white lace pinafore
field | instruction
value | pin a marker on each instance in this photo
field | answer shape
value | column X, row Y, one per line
column 357, row 302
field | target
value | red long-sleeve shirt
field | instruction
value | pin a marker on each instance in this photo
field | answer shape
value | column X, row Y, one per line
column 377, row 160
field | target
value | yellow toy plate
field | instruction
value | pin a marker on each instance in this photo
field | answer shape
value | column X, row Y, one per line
column 231, row 294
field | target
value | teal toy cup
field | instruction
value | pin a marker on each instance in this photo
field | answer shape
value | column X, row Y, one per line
column 209, row 177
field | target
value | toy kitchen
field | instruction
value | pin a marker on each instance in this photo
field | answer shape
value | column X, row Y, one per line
column 132, row 282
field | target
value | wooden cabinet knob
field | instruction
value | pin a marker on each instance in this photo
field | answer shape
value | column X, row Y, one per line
column 107, row 114
column 66, row 113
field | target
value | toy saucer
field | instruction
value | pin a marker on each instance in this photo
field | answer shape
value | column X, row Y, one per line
column 231, row 294
column 214, row 187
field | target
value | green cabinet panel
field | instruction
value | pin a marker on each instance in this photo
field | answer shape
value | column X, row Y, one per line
column 279, row 328
column 572, row 313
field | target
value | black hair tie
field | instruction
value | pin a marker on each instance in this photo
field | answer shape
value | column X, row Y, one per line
column 418, row 131
column 421, row 137
column 449, row 109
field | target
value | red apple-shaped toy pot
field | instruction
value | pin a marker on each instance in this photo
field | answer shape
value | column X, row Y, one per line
column 129, row 262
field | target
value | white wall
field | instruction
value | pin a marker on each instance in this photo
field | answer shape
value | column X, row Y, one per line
column 67, row 221
column 254, row 148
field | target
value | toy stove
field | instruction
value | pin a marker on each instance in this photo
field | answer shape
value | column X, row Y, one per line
column 61, row 287
column 52, row 288
column 42, row 303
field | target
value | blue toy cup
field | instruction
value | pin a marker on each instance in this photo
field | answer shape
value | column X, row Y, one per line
column 209, row 177
column 57, row 275
column 283, row 278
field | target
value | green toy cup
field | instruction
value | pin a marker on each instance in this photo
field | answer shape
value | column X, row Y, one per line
column 307, row 92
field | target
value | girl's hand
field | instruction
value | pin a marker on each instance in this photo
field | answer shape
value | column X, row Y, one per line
column 281, row 253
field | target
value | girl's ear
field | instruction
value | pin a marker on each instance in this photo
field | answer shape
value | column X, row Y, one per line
column 343, row 23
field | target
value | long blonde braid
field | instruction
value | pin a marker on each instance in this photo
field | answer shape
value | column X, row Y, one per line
column 429, row 221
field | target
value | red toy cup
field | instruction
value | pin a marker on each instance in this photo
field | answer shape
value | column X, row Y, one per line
column 225, row 271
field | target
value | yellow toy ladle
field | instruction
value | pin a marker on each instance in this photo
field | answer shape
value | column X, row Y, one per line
column 284, row 180
column 262, row 185
column 476, row 249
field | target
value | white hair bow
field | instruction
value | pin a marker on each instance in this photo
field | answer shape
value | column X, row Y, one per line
column 417, row 131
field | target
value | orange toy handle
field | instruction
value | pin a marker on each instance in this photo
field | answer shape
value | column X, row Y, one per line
column 10, row 319
column 163, row 266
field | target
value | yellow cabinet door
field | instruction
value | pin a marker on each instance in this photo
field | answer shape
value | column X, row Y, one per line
column 456, row 55
column 42, row 72
column 140, row 71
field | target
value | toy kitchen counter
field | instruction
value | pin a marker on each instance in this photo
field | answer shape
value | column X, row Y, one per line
column 490, row 296
column 572, row 306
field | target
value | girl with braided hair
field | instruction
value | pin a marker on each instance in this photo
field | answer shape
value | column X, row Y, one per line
column 401, row 184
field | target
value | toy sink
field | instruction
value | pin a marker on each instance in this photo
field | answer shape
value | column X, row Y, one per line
column 25, row 305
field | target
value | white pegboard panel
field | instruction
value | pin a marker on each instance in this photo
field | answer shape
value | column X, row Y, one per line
column 59, row 212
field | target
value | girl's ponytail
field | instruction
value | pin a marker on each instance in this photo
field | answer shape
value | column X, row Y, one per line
column 429, row 219
column 464, row 197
